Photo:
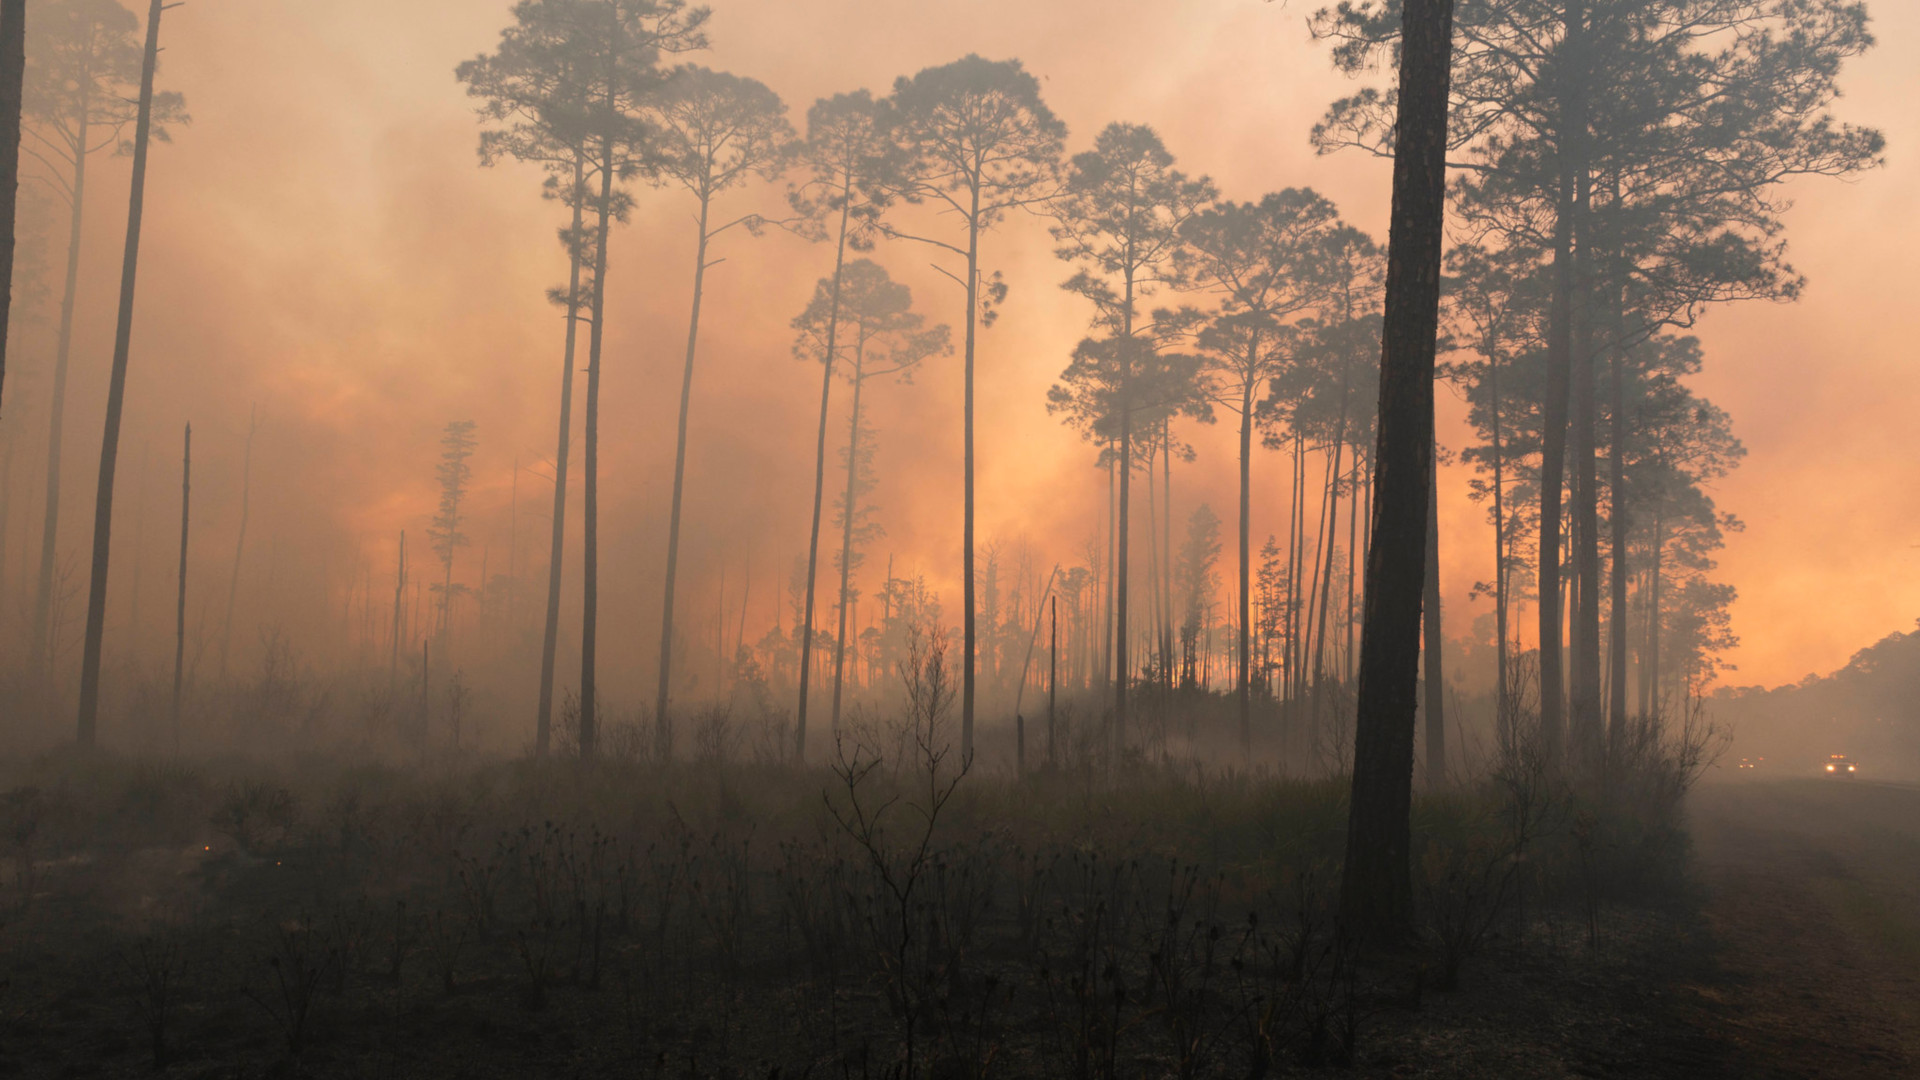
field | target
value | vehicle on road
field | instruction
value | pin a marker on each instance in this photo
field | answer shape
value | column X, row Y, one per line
column 1840, row 767
column 1751, row 763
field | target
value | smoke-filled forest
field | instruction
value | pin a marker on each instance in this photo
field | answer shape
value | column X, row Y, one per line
column 860, row 538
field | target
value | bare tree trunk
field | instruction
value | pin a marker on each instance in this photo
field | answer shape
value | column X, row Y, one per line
column 1617, row 515
column 13, row 73
column 1554, row 413
column 966, row 538
column 1434, row 644
column 1587, row 720
column 1125, row 467
column 1242, row 690
column 116, row 396
column 663, row 731
column 180, row 596
column 556, row 550
column 1500, row 704
column 820, row 484
column 239, row 545
column 43, row 645
column 1166, row 554
column 1376, row 895
column 590, row 462
column 1053, row 672
column 846, row 534
column 399, row 594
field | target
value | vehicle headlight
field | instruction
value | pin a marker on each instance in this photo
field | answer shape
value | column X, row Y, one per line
column 1829, row 768
column 1849, row 768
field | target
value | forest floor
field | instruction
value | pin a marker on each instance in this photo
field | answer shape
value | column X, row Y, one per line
column 1791, row 952
column 1812, row 905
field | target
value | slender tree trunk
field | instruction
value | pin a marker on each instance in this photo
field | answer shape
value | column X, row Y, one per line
column 1326, row 570
column 1166, row 554
column 1243, row 691
column 43, row 645
column 1376, row 894
column 180, row 595
column 1617, row 515
column 590, row 463
column 820, row 483
column 116, row 396
column 399, row 597
column 1560, row 363
column 1354, row 555
column 240, row 544
column 663, row 731
column 556, row 550
column 968, row 632
column 1654, row 707
column 846, row 533
column 1587, row 718
column 1433, row 644
column 13, row 73
column 1106, row 604
column 1053, row 671
column 1296, row 548
column 1120, row 651
column 1154, row 615
column 1502, row 715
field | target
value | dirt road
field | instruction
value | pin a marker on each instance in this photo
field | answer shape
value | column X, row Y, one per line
column 1814, row 901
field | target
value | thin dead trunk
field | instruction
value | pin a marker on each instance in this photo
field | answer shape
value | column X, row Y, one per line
column 180, row 595
column 13, row 73
column 239, row 544
column 1242, row 690
column 663, row 730
column 556, row 550
column 849, row 509
column 590, row 461
column 43, row 644
column 968, row 632
column 1433, row 645
column 116, row 395
column 820, row 481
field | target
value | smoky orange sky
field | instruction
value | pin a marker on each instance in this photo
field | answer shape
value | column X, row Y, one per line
column 322, row 243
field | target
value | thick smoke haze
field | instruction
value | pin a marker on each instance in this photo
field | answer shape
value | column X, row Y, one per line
column 322, row 244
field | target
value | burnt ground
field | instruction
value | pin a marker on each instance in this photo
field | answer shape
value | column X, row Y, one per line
column 1795, row 955
column 1812, row 904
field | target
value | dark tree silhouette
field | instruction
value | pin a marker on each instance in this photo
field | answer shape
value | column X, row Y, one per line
column 1119, row 220
column 716, row 131
column 1265, row 260
column 1376, row 893
column 619, row 43
column 180, row 600
column 979, row 144
column 853, row 164
column 13, row 73
column 883, row 336
column 82, row 90
column 537, row 88
column 116, row 396
column 1638, row 147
